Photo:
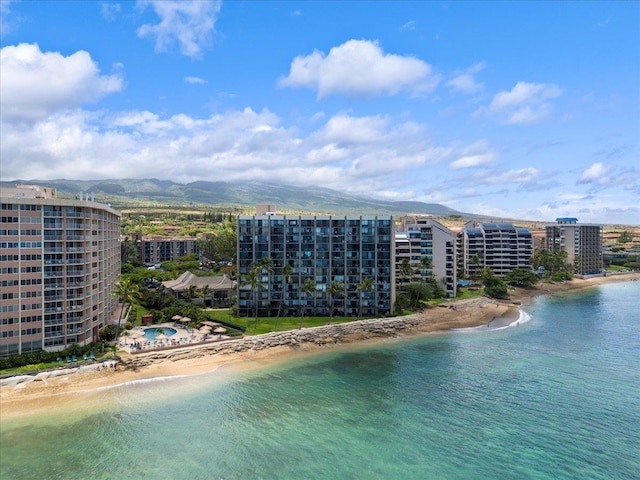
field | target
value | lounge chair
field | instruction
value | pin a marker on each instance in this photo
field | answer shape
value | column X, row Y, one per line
column 74, row 359
column 59, row 359
column 68, row 359
column 92, row 356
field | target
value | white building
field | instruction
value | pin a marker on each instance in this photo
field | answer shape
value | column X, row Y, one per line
column 420, row 237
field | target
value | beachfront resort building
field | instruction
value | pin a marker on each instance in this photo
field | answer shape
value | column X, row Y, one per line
column 59, row 261
column 501, row 247
column 430, row 250
column 582, row 242
column 309, row 254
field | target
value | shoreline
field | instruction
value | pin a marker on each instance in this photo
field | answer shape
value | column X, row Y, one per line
column 478, row 314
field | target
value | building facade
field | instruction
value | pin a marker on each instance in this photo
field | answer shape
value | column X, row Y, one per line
column 320, row 250
column 501, row 247
column 156, row 249
column 59, row 261
column 582, row 242
column 420, row 237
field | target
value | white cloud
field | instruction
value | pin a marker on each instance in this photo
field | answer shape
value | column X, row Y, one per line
column 5, row 25
column 409, row 26
column 594, row 173
column 475, row 155
column 188, row 25
column 110, row 10
column 521, row 175
column 35, row 84
column 342, row 72
column 195, row 80
column 525, row 103
column 465, row 82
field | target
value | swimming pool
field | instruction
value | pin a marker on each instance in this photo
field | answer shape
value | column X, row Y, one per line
column 152, row 333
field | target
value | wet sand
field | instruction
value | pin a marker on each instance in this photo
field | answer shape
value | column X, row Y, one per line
column 43, row 395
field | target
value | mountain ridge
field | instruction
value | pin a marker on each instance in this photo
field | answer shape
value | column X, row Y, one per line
column 123, row 193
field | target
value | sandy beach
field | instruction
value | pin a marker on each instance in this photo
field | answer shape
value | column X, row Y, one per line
column 482, row 312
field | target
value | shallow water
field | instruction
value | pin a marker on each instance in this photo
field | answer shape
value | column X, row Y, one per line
column 555, row 397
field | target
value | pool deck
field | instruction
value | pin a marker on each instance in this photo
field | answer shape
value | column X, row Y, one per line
column 136, row 341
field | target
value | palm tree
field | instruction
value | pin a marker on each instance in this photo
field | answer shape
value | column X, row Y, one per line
column 191, row 292
column 423, row 268
column 308, row 287
column 406, row 272
column 364, row 286
column 205, row 291
column 252, row 280
column 425, row 265
column 127, row 292
column 335, row 288
column 287, row 271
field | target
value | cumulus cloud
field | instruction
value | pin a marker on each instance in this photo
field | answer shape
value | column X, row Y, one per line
column 35, row 84
column 341, row 72
column 525, row 103
column 187, row 25
column 594, row 173
column 465, row 82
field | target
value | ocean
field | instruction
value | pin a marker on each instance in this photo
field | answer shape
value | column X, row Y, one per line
column 555, row 397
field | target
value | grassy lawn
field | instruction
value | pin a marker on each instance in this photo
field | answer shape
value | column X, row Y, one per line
column 267, row 324
column 616, row 268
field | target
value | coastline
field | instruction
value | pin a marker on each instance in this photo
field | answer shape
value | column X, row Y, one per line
column 478, row 314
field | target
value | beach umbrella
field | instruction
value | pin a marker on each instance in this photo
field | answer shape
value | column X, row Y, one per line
column 220, row 330
column 161, row 337
column 186, row 319
column 210, row 323
column 175, row 318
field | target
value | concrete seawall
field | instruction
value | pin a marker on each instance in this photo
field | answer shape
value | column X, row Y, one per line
column 323, row 335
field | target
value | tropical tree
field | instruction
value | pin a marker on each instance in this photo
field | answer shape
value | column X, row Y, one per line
column 308, row 287
column 191, row 292
column 252, row 280
column 364, row 286
column 205, row 291
column 335, row 289
column 287, row 271
column 493, row 286
column 425, row 265
column 127, row 292
column 521, row 277
column 405, row 271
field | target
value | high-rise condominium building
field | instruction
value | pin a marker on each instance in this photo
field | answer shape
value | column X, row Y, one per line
column 317, row 251
column 420, row 238
column 59, row 261
column 501, row 247
column 582, row 242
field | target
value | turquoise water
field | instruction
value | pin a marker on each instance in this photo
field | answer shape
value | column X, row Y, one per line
column 557, row 397
column 152, row 333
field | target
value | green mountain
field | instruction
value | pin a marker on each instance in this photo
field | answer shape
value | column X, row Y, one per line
column 132, row 193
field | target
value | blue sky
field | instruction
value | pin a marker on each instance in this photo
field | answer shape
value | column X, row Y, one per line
column 525, row 110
